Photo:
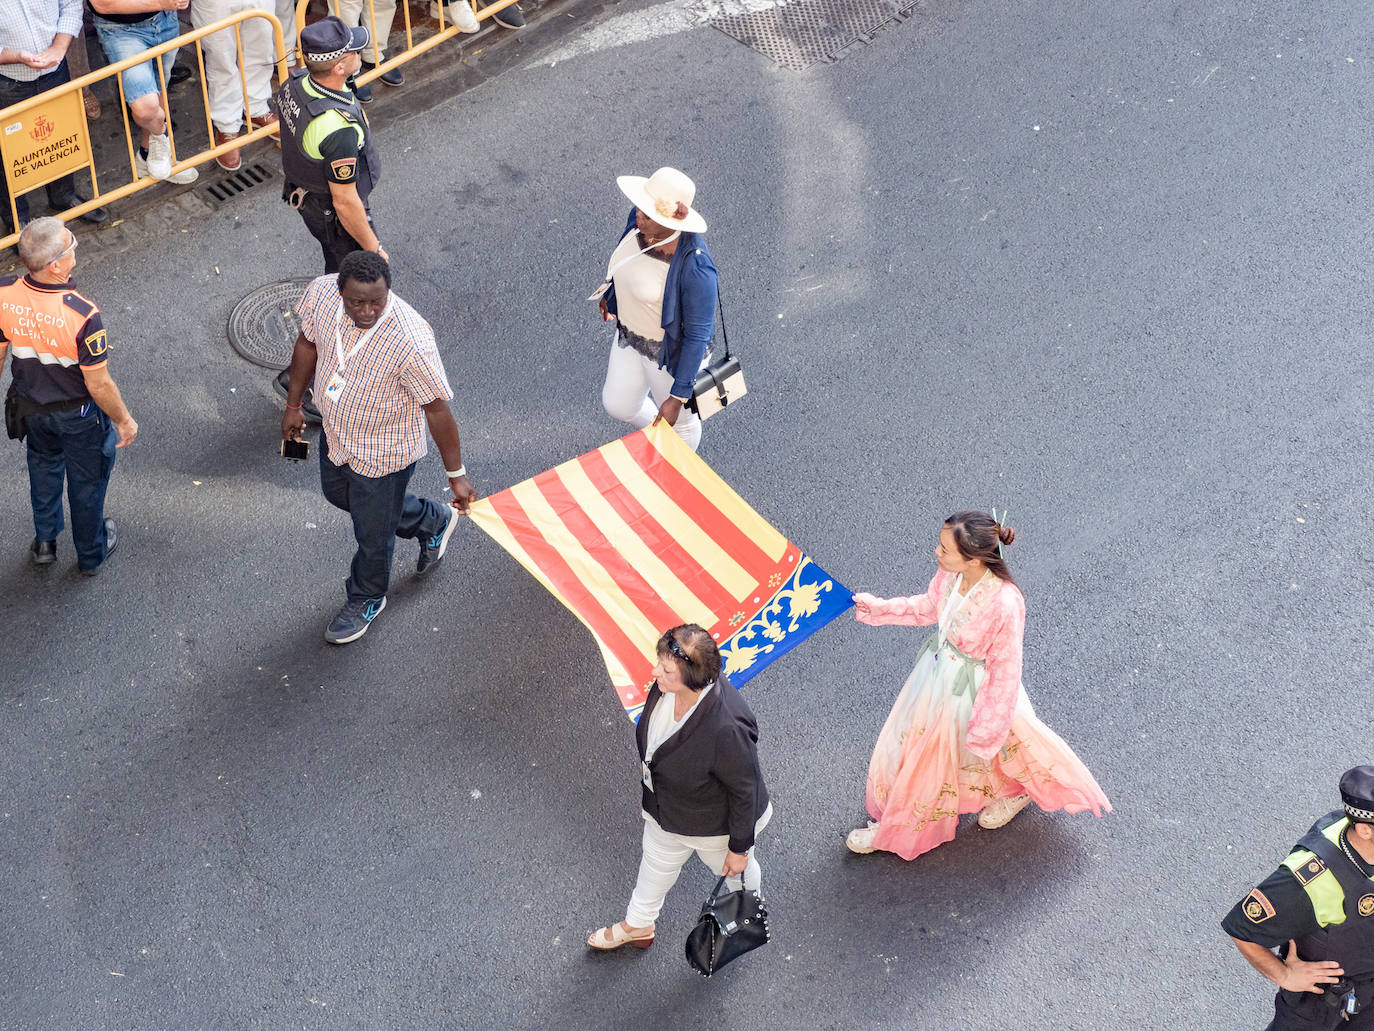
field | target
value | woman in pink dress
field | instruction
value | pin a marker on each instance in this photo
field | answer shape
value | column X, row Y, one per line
column 962, row 736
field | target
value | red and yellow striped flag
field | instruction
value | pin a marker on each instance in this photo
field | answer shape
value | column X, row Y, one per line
column 641, row 535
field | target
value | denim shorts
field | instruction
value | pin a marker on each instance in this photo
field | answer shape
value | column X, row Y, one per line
column 120, row 41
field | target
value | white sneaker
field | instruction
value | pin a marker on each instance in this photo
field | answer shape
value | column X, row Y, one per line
column 458, row 13
column 142, row 167
column 1002, row 811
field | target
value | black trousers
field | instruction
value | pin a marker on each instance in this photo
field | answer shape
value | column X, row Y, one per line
column 1303, row 1011
column 320, row 218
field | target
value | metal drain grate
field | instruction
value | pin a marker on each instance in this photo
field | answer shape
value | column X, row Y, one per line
column 241, row 181
column 263, row 326
column 798, row 35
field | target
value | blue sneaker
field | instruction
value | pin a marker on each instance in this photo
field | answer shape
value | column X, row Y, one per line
column 432, row 548
column 353, row 620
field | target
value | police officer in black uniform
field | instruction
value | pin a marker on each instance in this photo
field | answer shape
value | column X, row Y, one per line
column 1317, row 909
column 329, row 161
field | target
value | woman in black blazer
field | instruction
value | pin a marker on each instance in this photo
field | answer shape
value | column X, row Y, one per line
column 702, row 789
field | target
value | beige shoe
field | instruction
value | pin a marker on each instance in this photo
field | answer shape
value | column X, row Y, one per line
column 860, row 840
column 457, row 13
column 607, row 939
column 1002, row 811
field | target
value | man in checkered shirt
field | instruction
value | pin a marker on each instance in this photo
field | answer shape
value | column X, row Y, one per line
column 381, row 391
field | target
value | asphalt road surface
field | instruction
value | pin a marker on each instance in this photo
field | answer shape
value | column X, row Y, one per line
column 1101, row 264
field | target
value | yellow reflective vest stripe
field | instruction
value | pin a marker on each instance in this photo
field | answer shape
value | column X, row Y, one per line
column 1323, row 890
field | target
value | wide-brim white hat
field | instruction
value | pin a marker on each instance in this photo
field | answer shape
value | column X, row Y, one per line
column 666, row 197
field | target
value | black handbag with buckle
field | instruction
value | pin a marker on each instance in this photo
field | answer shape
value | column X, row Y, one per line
column 727, row 928
column 721, row 381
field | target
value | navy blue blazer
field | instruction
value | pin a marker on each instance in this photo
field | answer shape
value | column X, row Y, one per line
column 689, row 309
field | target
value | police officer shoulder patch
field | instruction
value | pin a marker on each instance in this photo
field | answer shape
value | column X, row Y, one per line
column 1309, row 870
column 344, row 169
column 1257, row 907
column 1366, row 905
column 96, row 343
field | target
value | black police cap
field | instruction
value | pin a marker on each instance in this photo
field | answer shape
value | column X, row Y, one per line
column 1357, row 792
column 330, row 39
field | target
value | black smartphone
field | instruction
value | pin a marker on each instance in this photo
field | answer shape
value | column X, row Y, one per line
column 295, row 450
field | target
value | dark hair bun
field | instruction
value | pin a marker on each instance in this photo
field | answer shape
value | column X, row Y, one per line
column 1005, row 534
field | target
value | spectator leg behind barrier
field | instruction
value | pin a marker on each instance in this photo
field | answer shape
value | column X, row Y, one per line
column 142, row 87
column 223, row 86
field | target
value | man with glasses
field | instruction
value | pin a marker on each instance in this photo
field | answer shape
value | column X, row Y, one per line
column 62, row 397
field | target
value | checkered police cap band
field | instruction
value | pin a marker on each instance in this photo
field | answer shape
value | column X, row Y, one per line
column 333, row 56
column 1359, row 814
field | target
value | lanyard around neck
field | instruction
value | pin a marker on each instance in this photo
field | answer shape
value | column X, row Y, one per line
column 362, row 340
column 610, row 272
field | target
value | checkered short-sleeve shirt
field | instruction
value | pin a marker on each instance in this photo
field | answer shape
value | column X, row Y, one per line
column 376, row 426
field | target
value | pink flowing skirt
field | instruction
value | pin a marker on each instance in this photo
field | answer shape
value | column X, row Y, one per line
column 922, row 775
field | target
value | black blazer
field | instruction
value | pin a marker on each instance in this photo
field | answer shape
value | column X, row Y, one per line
column 706, row 776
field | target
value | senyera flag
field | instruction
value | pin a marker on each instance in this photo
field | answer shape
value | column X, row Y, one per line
column 641, row 535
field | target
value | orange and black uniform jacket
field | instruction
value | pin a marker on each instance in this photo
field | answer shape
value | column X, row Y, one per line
column 52, row 331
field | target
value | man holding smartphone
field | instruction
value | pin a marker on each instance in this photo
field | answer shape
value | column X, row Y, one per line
column 383, row 389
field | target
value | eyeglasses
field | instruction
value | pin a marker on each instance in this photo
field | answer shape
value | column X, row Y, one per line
column 70, row 247
column 676, row 651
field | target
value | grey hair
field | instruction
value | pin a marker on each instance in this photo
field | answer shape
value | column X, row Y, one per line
column 42, row 242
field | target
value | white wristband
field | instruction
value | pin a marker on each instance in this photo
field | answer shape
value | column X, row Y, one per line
column 453, row 474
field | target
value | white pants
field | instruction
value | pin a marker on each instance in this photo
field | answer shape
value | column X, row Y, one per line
column 356, row 12
column 286, row 14
column 664, row 855
column 631, row 379
column 222, row 83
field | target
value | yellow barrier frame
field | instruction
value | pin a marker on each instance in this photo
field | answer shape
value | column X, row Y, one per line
column 152, row 54
column 98, row 198
column 412, row 49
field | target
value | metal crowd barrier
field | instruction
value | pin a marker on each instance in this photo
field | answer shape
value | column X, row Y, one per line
column 47, row 136
column 412, row 49
column 26, row 128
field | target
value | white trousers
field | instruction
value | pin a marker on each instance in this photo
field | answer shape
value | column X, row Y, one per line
column 631, row 380
column 663, row 859
column 356, row 12
column 222, row 82
column 286, row 14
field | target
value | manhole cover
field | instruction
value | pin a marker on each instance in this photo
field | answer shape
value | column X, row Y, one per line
column 263, row 326
column 797, row 35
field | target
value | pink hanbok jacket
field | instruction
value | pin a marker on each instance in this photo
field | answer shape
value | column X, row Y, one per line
column 989, row 628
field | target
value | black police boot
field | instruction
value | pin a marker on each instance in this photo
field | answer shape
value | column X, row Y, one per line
column 394, row 77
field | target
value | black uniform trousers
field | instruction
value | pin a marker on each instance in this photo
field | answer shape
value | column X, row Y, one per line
column 1303, row 1011
column 317, row 211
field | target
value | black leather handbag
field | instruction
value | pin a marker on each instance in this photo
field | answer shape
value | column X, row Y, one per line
column 720, row 382
column 727, row 928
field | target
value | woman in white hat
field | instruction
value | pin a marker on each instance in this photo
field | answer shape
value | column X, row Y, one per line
column 661, row 291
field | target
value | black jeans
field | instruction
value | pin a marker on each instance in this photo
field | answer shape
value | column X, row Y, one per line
column 12, row 91
column 382, row 510
column 324, row 225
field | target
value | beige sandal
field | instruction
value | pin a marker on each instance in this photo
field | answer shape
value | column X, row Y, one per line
column 606, row 939
column 1001, row 811
column 860, row 840
column 91, row 101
